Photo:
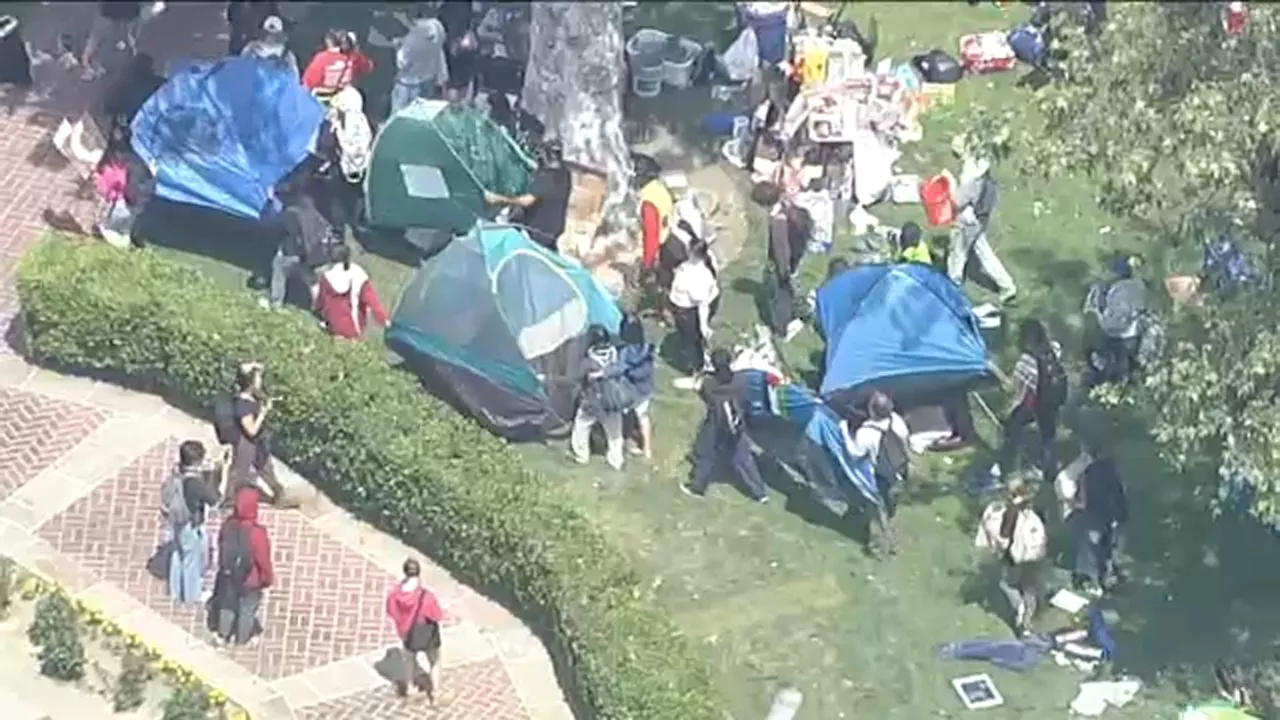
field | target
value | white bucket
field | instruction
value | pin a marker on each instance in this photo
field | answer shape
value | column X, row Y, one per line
column 644, row 56
column 645, row 87
column 679, row 73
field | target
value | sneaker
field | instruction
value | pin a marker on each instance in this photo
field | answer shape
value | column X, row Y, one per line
column 264, row 303
column 579, row 460
column 684, row 488
column 1010, row 298
column 793, row 329
column 763, row 500
column 92, row 73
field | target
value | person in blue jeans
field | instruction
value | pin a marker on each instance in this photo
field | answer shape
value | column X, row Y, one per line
column 722, row 439
column 186, row 497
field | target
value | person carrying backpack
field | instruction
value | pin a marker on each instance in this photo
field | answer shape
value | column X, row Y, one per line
column 244, row 570
column 722, row 437
column 187, row 493
column 606, row 395
column 416, row 614
column 345, row 146
column 1041, row 386
column 1012, row 530
column 882, row 439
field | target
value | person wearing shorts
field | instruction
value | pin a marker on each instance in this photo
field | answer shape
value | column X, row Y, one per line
column 636, row 357
column 115, row 25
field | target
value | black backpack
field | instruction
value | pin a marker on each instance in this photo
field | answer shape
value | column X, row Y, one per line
column 225, row 424
column 892, row 460
column 937, row 66
column 235, row 557
column 1051, row 380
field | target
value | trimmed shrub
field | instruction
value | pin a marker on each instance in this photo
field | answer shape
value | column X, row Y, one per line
column 379, row 446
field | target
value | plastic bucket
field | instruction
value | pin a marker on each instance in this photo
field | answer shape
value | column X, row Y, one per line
column 645, row 52
column 678, row 71
column 935, row 195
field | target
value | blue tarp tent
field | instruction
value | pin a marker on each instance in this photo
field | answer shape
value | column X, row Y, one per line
column 905, row 329
column 790, row 423
column 221, row 134
column 497, row 324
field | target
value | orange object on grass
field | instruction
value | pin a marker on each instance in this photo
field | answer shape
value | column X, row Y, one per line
column 935, row 195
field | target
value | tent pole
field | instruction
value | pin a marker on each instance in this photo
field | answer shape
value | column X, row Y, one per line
column 985, row 408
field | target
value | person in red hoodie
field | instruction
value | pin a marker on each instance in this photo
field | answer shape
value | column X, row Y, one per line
column 335, row 67
column 416, row 614
column 244, row 570
column 345, row 297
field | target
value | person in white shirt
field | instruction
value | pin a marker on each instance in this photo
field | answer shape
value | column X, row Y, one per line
column 421, row 69
column 866, row 442
column 694, row 298
column 974, row 196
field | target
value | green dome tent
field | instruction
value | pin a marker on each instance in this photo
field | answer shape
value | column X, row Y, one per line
column 432, row 163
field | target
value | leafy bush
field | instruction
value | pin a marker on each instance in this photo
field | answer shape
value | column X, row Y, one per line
column 187, row 702
column 131, row 686
column 380, row 447
column 8, row 577
column 56, row 630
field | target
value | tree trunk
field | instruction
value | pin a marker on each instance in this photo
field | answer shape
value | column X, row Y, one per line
column 574, row 84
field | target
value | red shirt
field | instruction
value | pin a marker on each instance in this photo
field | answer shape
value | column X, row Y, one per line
column 332, row 70
column 651, row 233
column 401, row 604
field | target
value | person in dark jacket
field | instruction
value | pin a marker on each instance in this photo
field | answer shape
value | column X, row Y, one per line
column 722, row 438
column 305, row 238
column 246, row 18
column 462, row 47
column 1103, row 511
column 251, row 453
column 239, row 598
column 790, row 228
column 636, row 356
column 121, row 103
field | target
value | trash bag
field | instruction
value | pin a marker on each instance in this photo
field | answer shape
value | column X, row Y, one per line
column 937, row 66
column 742, row 57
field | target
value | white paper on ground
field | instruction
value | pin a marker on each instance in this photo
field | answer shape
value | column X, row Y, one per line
column 1068, row 601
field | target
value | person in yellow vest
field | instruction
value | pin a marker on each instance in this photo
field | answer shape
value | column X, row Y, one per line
column 912, row 247
column 657, row 207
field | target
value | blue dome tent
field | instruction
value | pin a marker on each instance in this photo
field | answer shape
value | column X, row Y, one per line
column 496, row 324
column 221, row 134
column 903, row 329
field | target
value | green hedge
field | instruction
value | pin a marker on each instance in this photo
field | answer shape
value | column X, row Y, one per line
column 380, row 447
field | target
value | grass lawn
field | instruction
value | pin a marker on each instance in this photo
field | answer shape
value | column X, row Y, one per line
column 783, row 594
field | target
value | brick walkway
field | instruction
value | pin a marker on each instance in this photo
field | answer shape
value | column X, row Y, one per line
column 81, row 464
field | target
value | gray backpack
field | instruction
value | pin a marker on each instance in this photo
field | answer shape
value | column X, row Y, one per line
column 173, row 499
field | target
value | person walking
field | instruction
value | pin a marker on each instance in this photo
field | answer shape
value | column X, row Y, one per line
column 245, row 571
column 273, row 45
column 115, row 26
column 882, row 438
column 694, row 298
column 416, row 614
column 637, row 357
column 345, row 147
column 305, row 237
column 1102, row 511
column 421, row 68
column 790, row 229
column 1013, row 531
column 346, row 297
column 1041, row 390
column 338, row 64
column 606, row 395
column 251, row 453
column 185, row 497
column 974, row 196
column 722, row 437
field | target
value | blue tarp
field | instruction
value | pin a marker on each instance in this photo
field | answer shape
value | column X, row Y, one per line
column 792, row 424
column 221, row 134
column 890, row 321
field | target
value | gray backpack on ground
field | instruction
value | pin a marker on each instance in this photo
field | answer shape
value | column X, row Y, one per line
column 173, row 499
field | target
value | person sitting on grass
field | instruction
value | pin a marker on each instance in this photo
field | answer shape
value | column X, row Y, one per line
column 912, row 246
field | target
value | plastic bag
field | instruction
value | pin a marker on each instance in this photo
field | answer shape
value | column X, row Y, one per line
column 742, row 58
column 872, row 167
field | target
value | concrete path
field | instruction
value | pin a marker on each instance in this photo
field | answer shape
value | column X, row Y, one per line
column 81, row 464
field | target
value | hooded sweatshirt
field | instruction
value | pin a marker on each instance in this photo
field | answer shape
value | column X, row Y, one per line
column 245, row 515
column 420, row 56
column 344, row 300
column 404, row 599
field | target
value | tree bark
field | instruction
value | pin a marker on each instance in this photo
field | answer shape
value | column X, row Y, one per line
column 574, row 84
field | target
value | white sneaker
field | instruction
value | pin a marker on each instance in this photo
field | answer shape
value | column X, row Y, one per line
column 264, row 303
column 994, row 471
column 793, row 329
